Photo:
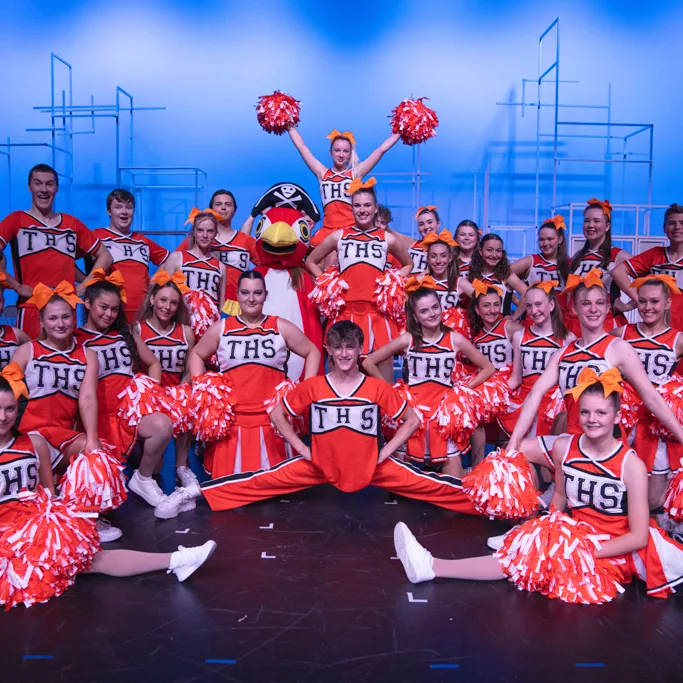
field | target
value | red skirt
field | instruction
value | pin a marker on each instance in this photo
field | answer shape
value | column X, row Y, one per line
column 378, row 330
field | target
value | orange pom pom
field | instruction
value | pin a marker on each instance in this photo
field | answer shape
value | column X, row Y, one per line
column 212, row 406
column 390, row 426
column 455, row 318
column 390, row 295
column 414, row 121
column 457, row 415
column 143, row 396
column 203, row 312
column 555, row 406
column 281, row 390
column 494, row 396
column 673, row 501
column 672, row 392
column 631, row 407
column 328, row 293
column 277, row 112
column 179, row 408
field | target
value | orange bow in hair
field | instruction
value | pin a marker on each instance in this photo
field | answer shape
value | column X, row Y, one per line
column 592, row 279
column 162, row 278
column 42, row 294
column 444, row 236
column 195, row 212
column 116, row 279
column 413, row 283
column 346, row 134
column 3, row 280
column 357, row 184
column 668, row 280
column 547, row 286
column 482, row 288
column 15, row 378
column 605, row 206
column 610, row 379
column 431, row 207
column 556, row 221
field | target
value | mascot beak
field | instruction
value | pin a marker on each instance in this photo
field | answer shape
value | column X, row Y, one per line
column 279, row 238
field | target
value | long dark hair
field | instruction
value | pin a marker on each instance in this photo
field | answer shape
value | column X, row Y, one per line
column 605, row 247
column 562, row 254
column 452, row 272
column 560, row 330
column 501, row 271
column 120, row 325
column 413, row 326
column 476, row 323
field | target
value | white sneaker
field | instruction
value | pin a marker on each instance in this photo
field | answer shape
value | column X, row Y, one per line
column 147, row 489
column 186, row 476
column 417, row 561
column 185, row 561
column 171, row 506
column 496, row 542
column 547, row 495
column 106, row 531
column 194, row 490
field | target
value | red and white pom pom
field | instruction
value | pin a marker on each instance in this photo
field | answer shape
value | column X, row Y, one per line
column 277, row 112
column 143, row 396
column 390, row 295
column 414, row 121
column 494, row 396
column 456, row 416
column 555, row 555
column 390, row 426
column 203, row 312
column 455, row 318
column 673, row 501
column 672, row 392
column 179, row 408
column 501, row 486
column 329, row 293
column 555, row 406
column 95, row 480
column 212, row 406
column 631, row 407
column 281, row 390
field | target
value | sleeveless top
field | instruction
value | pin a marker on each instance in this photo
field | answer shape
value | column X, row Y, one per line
column 464, row 266
column 542, row 270
column 447, row 297
column 507, row 292
column 255, row 360
column 19, row 470
column 574, row 358
column 337, row 212
column 535, row 353
column 429, row 370
column 419, row 256
column 657, row 353
column 202, row 274
column 362, row 259
column 494, row 344
column 8, row 344
column 591, row 260
column 170, row 348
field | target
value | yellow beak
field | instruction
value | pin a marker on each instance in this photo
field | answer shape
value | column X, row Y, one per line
column 279, row 235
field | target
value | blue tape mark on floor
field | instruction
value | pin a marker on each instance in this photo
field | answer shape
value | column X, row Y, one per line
column 220, row 661
column 444, row 666
column 589, row 665
column 39, row 656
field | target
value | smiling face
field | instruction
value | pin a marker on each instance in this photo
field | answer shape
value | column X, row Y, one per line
column 492, row 253
column 121, row 215
column 43, row 188
column 597, row 415
column 426, row 223
column 466, row 237
column 58, row 319
column 653, row 303
column 439, row 257
column 427, row 311
column 591, row 306
column 224, row 204
column 548, row 241
column 165, row 303
column 8, row 413
column 538, row 305
column 673, row 229
column 488, row 308
column 345, row 355
column 251, row 295
column 204, row 232
column 340, row 151
column 103, row 311
column 595, row 224
column 364, row 208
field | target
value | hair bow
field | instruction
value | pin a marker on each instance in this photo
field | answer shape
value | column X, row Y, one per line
column 15, row 378
column 195, row 212
column 431, row 207
column 116, row 279
column 547, row 285
column 357, row 184
column 162, row 278
column 346, row 134
column 667, row 280
column 605, row 206
column 42, row 294
column 482, row 288
column 444, row 236
column 593, row 279
column 413, row 283
column 556, row 221
column 3, row 280
column 610, row 379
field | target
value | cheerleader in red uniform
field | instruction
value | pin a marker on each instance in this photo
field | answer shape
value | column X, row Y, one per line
column 595, row 477
column 362, row 251
column 252, row 351
column 490, row 265
column 467, row 237
column 430, row 349
column 164, row 326
column 10, row 337
column 598, row 252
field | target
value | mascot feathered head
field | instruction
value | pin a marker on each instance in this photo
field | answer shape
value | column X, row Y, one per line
column 282, row 237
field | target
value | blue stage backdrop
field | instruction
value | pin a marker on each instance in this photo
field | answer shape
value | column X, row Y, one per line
column 349, row 64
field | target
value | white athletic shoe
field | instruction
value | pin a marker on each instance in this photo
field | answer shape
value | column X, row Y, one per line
column 547, row 495
column 417, row 561
column 106, row 531
column 194, row 490
column 496, row 542
column 186, row 476
column 171, row 506
column 147, row 489
column 185, row 561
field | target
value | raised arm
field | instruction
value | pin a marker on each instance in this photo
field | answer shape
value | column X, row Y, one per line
column 298, row 343
column 316, row 166
column 365, row 166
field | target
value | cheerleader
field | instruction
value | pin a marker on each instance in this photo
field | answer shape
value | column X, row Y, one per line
column 252, row 351
column 598, row 252
column 10, row 337
column 595, row 477
column 659, row 348
column 552, row 263
column 362, row 251
column 467, row 237
column 428, row 221
column 430, row 349
column 490, row 265
column 164, row 326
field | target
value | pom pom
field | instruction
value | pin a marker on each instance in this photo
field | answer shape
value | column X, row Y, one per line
column 390, row 426
column 455, row 318
column 494, row 396
column 390, row 295
column 456, row 416
column 95, row 480
column 143, row 396
column 631, row 407
column 501, row 486
column 277, row 112
column 179, row 408
column 673, row 501
column 555, row 555
column 555, row 406
column 328, row 293
column 281, row 390
column 414, row 121
column 203, row 312
column 212, row 406
column 672, row 392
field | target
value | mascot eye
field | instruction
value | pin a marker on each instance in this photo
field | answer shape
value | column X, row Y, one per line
column 259, row 227
column 303, row 228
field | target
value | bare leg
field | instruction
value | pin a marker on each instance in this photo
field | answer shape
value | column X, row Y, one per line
column 386, row 369
column 656, row 490
column 478, row 443
column 128, row 562
column 453, row 466
column 484, row 568
column 182, row 449
column 156, row 431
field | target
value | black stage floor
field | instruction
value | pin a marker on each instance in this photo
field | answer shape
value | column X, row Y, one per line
column 306, row 590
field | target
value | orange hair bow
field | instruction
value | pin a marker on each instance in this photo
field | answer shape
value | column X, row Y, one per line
column 610, row 379
column 668, row 280
column 547, row 286
column 3, row 280
column 42, row 294
column 195, row 212
column 556, row 221
column 15, row 378
column 431, row 207
column 357, row 184
column 593, row 279
column 444, row 236
column 116, row 279
column 413, row 283
column 346, row 134
column 162, row 278
column 482, row 288
column 605, row 206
